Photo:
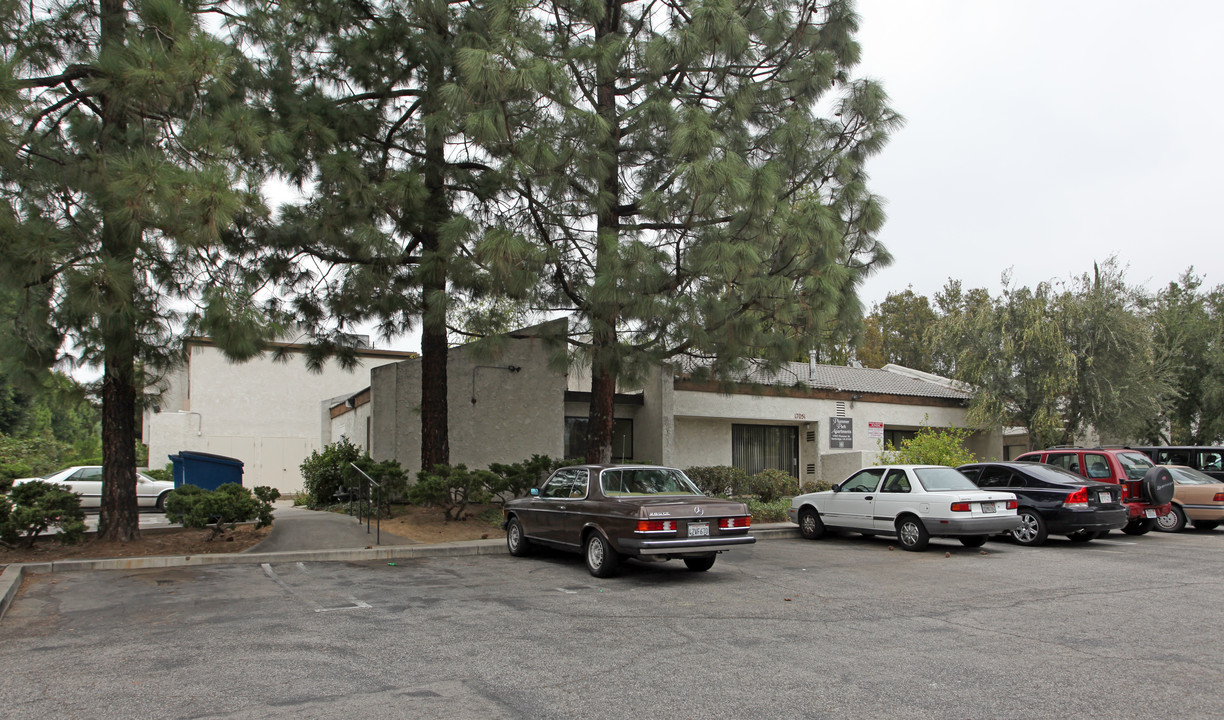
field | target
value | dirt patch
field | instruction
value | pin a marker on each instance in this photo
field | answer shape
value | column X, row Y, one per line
column 161, row 541
column 429, row 525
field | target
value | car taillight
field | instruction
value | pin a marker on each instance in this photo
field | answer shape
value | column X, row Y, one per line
column 1219, row 497
column 1077, row 500
column 1013, row 504
column 960, row 507
column 654, row 526
column 735, row 523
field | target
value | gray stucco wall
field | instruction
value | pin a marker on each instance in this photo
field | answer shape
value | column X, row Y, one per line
column 515, row 414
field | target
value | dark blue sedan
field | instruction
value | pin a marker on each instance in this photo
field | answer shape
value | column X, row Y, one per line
column 1053, row 501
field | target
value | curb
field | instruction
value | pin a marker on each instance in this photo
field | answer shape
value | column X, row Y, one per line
column 10, row 579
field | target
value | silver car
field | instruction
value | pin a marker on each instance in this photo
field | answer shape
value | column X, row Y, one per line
column 86, row 481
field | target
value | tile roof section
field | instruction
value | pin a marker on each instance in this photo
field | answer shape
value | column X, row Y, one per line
column 890, row 380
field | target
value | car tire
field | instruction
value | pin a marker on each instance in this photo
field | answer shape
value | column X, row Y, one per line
column 161, row 502
column 1206, row 524
column 601, row 560
column 1158, row 485
column 810, row 524
column 912, row 534
column 973, row 540
column 700, row 564
column 1032, row 531
column 1083, row 536
column 516, row 541
column 1139, row 527
column 1172, row 521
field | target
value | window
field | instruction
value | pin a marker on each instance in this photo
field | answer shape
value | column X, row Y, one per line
column 894, row 438
column 759, row 447
column 1098, row 466
column 645, row 481
column 1066, row 461
column 897, row 482
column 994, row 477
column 864, row 481
column 1209, row 461
column 1173, row 457
column 559, row 485
column 622, row 438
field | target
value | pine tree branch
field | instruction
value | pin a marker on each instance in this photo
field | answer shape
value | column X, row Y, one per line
column 72, row 72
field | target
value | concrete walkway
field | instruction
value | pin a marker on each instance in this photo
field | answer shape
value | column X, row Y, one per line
column 296, row 528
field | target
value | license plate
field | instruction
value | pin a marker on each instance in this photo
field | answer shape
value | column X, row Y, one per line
column 1106, row 498
column 699, row 529
column 1149, row 513
column 988, row 507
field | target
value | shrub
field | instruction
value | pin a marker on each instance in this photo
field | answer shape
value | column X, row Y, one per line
column 771, row 484
column 328, row 472
column 220, row 509
column 452, row 488
column 165, row 474
column 720, row 480
column 767, row 512
column 816, row 486
column 930, row 446
column 36, row 506
column 516, row 479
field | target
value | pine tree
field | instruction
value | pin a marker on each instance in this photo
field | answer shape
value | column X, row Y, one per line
column 698, row 181
column 389, row 109
column 119, row 178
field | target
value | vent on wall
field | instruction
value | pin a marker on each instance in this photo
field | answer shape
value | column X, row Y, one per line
column 811, row 436
column 841, row 408
column 811, row 468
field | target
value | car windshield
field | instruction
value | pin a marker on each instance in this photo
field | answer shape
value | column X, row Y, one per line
column 941, row 479
column 1135, row 464
column 1190, row 476
column 629, row 482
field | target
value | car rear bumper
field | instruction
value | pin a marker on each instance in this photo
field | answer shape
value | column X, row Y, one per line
column 635, row 546
column 1064, row 521
column 1138, row 510
column 972, row 526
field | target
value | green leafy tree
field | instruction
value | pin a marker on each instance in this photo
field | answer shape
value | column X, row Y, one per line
column 1186, row 325
column 119, row 174
column 690, row 198
column 897, row 331
column 931, row 446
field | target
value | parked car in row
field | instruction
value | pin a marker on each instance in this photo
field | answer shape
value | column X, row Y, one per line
column 612, row 512
column 86, row 481
column 1197, row 498
column 1052, row 501
column 912, row 502
column 1145, row 495
column 1204, row 458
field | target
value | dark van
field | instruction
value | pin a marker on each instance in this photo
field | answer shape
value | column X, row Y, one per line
column 1205, row 459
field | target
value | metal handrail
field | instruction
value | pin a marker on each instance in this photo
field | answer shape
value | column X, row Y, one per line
column 365, row 499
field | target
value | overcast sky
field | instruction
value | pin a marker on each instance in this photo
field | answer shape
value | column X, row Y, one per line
column 1045, row 135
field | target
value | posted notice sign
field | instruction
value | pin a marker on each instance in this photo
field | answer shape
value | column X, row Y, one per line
column 875, row 431
column 841, row 433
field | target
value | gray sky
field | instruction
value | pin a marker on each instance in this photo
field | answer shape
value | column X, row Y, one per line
column 1043, row 136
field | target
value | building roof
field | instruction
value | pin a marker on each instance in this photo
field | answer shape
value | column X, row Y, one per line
column 889, row 380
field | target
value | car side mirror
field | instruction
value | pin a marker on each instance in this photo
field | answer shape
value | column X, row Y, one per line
column 837, row 488
column 535, row 492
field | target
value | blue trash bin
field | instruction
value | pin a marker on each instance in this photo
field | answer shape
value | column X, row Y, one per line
column 205, row 470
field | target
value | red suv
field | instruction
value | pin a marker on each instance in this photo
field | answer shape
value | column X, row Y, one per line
column 1145, row 494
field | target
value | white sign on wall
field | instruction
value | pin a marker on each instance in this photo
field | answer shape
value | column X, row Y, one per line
column 875, row 431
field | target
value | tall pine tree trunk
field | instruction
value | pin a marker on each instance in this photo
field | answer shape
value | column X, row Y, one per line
column 605, row 314
column 435, row 440
column 119, row 519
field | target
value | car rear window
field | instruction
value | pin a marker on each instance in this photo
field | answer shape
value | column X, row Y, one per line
column 1190, row 476
column 936, row 479
column 1135, row 464
column 629, row 482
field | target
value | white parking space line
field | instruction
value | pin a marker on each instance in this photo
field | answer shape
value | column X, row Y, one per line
column 356, row 604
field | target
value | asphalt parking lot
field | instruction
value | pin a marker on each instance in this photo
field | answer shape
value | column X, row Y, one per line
column 843, row 628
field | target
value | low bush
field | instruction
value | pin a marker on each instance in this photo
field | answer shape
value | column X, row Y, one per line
column 328, row 474
column 220, row 509
column 931, row 446
column 719, row 480
column 768, row 512
column 452, row 488
column 35, row 507
column 165, row 474
column 815, row 486
column 517, row 479
column 771, row 484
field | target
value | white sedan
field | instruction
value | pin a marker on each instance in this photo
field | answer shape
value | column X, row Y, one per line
column 912, row 502
column 86, row 481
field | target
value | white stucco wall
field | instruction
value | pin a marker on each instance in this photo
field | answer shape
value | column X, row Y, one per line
column 265, row 413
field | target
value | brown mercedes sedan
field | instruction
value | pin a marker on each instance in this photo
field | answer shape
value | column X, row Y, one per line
column 611, row 512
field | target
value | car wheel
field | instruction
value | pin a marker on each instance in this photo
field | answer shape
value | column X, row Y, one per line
column 1139, row 527
column 161, row 501
column 973, row 540
column 810, row 524
column 601, row 559
column 1083, row 536
column 700, row 564
column 516, row 542
column 1206, row 524
column 912, row 534
column 1172, row 521
column 1032, row 530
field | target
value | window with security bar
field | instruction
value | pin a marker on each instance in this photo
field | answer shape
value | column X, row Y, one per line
column 758, row 447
